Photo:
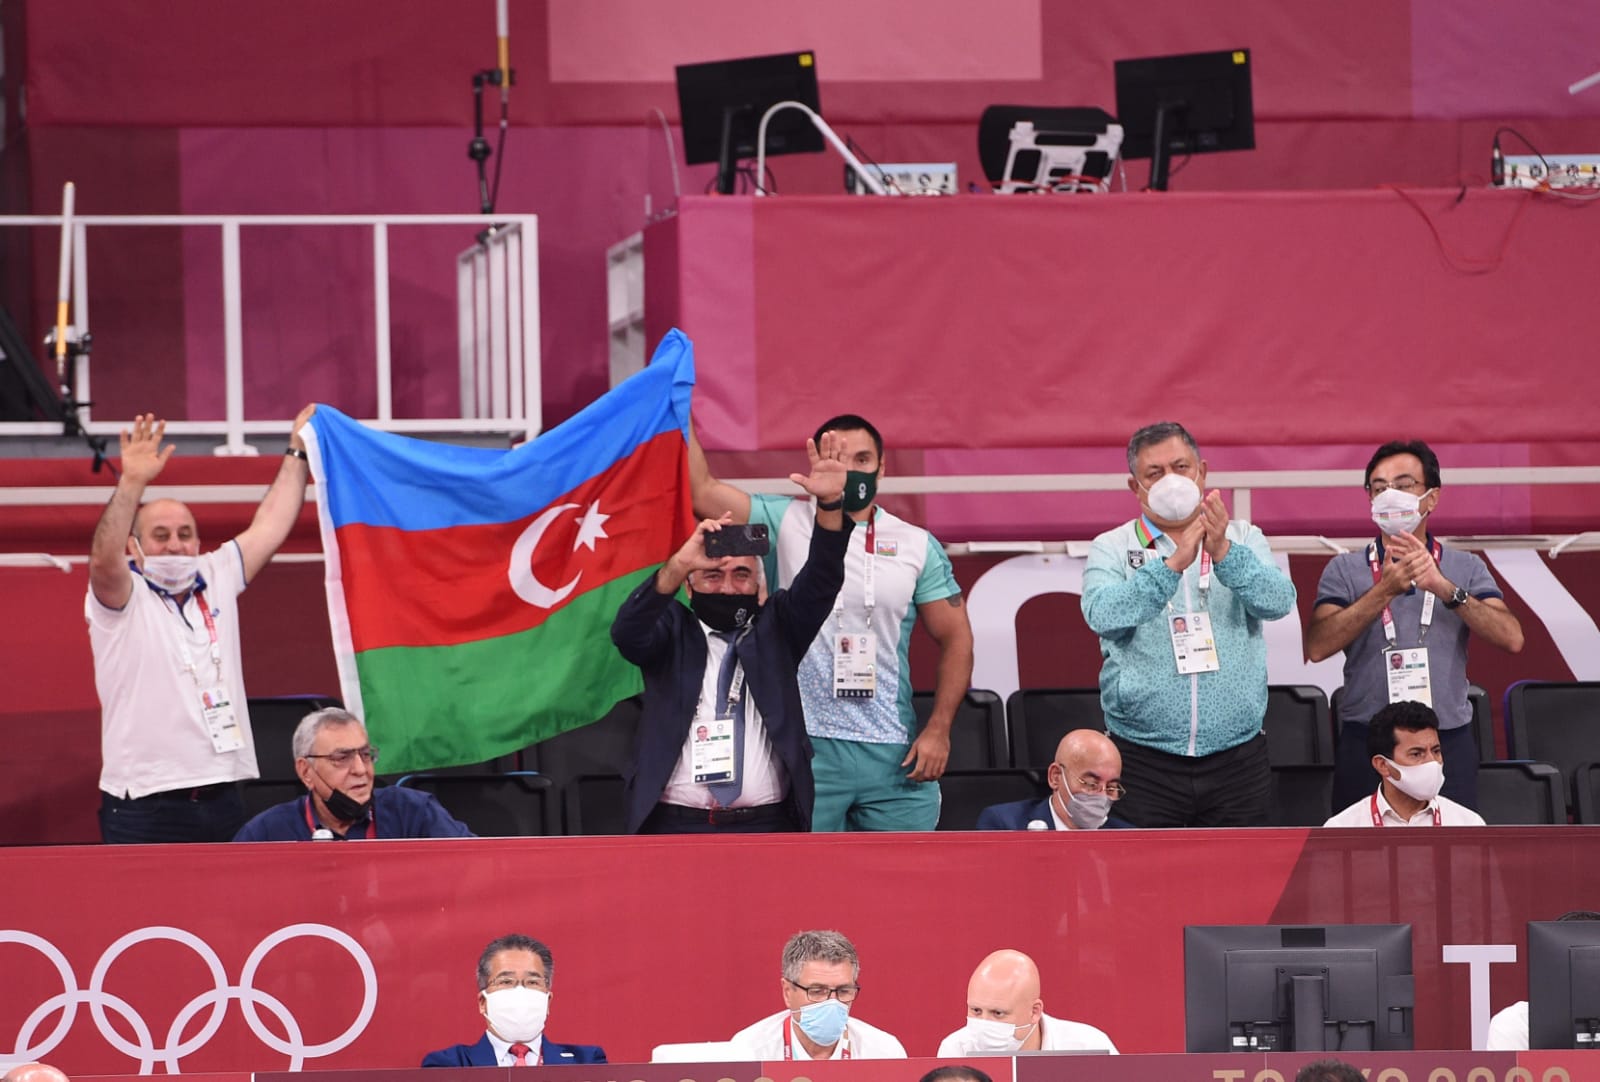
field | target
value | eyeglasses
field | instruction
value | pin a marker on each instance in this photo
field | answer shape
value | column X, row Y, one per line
column 1087, row 784
column 536, row 981
column 345, row 756
column 1404, row 484
column 816, row 993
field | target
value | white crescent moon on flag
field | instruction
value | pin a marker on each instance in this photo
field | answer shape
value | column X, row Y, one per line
column 523, row 581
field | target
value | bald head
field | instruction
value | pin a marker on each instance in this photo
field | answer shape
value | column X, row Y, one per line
column 34, row 1072
column 1005, row 988
column 1088, row 753
column 165, row 527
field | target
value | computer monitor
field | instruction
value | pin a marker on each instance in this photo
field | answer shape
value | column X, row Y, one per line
column 1193, row 103
column 1297, row 988
column 720, row 105
column 1564, row 984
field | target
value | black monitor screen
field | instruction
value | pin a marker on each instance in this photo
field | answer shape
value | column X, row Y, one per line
column 740, row 91
column 1272, row 988
column 1564, row 984
column 1199, row 102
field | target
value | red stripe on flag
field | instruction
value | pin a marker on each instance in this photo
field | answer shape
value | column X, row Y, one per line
column 454, row 585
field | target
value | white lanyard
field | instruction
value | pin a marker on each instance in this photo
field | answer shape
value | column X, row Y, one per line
column 735, row 688
column 1427, row 596
column 868, row 592
column 211, row 630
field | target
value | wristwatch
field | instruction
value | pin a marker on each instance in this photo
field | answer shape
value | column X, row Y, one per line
column 1458, row 598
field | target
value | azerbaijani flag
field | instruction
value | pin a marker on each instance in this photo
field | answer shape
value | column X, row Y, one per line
column 471, row 591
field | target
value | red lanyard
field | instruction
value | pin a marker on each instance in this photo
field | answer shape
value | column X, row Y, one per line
column 1427, row 601
column 372, row 820
column 1377, row 819
column 788, row 1039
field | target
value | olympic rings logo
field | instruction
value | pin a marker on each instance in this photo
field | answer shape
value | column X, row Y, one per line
column 174, row 1048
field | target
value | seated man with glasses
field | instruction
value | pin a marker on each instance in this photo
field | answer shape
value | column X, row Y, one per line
column 1402, row 609
column 515, row 974
column 1085, row 781
column 820, row 982
column 335, row 761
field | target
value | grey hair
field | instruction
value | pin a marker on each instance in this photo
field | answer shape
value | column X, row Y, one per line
column 516, row 942
column 820, row 946
column 1160, row 432
column 305, row 734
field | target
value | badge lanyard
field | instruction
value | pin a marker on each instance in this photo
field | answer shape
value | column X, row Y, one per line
column 1428, row 597
column 372, row 820
column 788, row 1039
column 869, row 593
column 1377, row 819
column 211, row 631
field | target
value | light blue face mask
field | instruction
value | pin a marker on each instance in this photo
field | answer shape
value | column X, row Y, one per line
column 824, row 1022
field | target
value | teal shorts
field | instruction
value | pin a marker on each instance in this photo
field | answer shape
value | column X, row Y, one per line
column 864, row 787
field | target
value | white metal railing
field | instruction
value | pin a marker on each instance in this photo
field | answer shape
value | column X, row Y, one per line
column 1239, row 483
column 497, row 287
column 511, row 355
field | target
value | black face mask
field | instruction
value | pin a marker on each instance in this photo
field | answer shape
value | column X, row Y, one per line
column 860, row 489
column 724, row 612
column 344, row 807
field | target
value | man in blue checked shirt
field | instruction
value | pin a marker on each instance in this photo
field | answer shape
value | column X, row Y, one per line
column 1178, row 597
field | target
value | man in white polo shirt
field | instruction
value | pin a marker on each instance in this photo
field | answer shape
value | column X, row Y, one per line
column 164, row 628
column 1005, row 1015
column 1403, row 740
column 820, row 982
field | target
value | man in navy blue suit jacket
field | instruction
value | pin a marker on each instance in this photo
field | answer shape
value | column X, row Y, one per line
column 754, row 706
column 514, row 977
column 1085, row 781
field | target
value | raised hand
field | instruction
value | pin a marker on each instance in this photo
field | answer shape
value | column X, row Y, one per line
column 1188, row 541
column 142, row 454
column 692, row 556
column 828, row 468
column 1214, row 514
column 300, row 420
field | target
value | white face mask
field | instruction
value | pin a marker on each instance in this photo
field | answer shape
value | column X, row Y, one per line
column 174, row 574
column 1088, row 811
column 517, row 1014
column 1397, row 512
column 1173, row 498
column 992, row 1037
column 1421, row 782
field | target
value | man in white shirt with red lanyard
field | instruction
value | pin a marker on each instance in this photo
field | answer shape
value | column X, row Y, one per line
column 820, row 982
column 1403, row 740
column 1005, row 1015
column 164, row 628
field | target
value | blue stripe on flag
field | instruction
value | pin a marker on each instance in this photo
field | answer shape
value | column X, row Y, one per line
column 383, row 479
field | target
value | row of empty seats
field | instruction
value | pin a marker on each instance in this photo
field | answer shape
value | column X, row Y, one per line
column 572, row 783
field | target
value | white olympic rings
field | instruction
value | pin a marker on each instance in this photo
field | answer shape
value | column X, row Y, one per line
column 144, row 1048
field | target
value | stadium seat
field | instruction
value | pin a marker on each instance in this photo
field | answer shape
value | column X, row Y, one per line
column 1039, row 717
column 965, row 793
column 520, row 804
column 1298, row 726
column 259, row 795
column 978, row 737
column 1482, row 723
column 1302, row 794
column 593, row 804
column 601, row 747
column 1555, row 723
column 272, row 725
column 1586, row 793
column 1520, row 792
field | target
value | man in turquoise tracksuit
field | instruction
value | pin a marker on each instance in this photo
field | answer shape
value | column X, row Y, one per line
column 1178, row 597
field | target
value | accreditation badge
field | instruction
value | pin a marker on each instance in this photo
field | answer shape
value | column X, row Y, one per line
column 221, row 724
column 711, row 747
column 1407, row 673
column 1192, row 643
column 855, row 668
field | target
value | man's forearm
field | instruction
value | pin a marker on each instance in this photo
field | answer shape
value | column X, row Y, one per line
column 1497, row 626
column 951, row 682
column 1329, row 634
column 110, row 544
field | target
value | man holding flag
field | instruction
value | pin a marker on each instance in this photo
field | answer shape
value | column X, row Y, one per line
column 728, row 663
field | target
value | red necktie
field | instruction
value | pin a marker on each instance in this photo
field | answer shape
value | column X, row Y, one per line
column 521, row 1051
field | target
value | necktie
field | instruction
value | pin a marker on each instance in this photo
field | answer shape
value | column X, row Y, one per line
column 726, row 792
column 521, row 1051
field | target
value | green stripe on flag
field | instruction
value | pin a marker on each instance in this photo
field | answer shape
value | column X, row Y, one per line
column 435, row 706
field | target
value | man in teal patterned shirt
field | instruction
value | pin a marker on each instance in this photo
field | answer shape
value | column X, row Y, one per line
column 1178, row 597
